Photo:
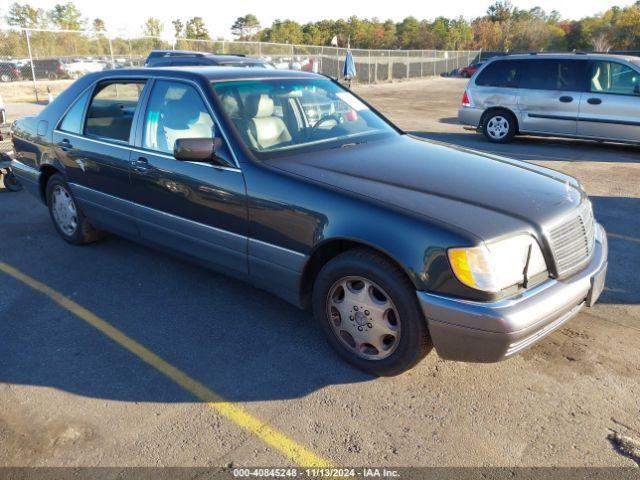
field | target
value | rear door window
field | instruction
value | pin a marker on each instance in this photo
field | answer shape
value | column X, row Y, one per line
column 552, row 74
column 72, row 121
column 501, row 73
column 112, row 108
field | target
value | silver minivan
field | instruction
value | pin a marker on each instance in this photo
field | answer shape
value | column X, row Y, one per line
column 592, row 96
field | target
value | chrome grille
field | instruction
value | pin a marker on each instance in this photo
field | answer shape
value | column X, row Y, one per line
column 572, row 241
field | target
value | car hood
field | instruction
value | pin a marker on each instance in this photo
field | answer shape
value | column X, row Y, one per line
column 486, row 195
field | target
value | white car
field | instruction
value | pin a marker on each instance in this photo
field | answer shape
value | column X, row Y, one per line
column 79, row 67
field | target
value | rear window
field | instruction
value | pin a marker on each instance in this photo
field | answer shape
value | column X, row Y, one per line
column 554, row 75
column 501, row 73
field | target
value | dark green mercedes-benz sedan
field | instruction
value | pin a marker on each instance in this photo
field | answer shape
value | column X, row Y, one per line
column 295, row 184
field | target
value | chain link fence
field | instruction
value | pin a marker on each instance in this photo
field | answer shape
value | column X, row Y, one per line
column 36, row 64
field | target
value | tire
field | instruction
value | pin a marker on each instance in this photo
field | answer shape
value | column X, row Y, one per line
column 11, row 182
column 70, row 223
column 465, row 75
column 5, row 77
column 385, row 301
column 52, row 76
column 499, row 126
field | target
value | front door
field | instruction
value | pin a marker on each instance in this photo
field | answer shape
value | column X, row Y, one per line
column 549, row 95
column 197, row 209
column 94, row 144
column 611, row 107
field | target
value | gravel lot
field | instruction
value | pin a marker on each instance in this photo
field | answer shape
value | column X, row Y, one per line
column 69, row 396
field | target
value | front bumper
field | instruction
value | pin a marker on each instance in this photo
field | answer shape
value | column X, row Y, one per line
column 473, row 331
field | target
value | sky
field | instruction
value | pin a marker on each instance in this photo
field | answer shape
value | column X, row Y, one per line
column 129, row 15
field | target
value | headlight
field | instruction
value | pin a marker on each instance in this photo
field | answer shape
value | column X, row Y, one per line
column 495, row 266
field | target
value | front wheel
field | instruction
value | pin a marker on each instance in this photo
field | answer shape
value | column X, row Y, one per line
column 67, row 217
column 368, row 310
column 499, row 126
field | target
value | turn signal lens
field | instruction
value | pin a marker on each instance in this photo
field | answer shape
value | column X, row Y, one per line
column 498, row 265
column 460, row 265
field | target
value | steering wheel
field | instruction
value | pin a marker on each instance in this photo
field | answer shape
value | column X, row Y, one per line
column 324, row 119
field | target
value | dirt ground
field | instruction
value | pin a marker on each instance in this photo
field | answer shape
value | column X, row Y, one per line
column 69, row 396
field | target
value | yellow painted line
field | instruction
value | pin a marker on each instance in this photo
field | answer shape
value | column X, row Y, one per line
column 623, row 237
column 299, row 454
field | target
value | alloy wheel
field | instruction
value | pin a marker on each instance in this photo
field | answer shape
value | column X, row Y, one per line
column 64, row 210
column 363, row 317
column 498, row 127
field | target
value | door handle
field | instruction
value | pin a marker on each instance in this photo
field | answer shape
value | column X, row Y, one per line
column 566, row 99
column 594, row 101
column 65, row 145
column 141, row 165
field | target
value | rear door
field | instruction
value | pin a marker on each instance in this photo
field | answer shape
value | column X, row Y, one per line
column 96, row 154
column 497, row 85
column 549, row 95
column 611, row 106
column 197, row 209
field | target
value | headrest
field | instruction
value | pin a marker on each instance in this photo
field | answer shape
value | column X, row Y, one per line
column 179, row 114
column 230, row 105
column 259, row 106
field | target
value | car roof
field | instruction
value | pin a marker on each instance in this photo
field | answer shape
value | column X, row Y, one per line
column 221, row 57
column 566, row 56
column 210, row 73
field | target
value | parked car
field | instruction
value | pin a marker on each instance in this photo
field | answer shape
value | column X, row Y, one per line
column 184, row 58
column 45, row 68
column 82, row 66
column 9, row 72
column 590, row 96
column 469, row 70
column 395, row 243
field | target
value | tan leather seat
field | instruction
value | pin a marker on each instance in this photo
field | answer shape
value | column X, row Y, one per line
column 265, row 129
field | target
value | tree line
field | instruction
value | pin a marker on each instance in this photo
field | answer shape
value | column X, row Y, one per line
column 503, row 28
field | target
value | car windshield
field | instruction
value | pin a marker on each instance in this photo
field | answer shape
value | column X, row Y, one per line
column 279, row 116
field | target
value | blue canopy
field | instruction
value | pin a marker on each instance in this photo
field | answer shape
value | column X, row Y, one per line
column 349, row 70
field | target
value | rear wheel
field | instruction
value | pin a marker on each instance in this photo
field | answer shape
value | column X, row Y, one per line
column 499, row 126
column 68, row 219
column 368, row 310
column 5, row 77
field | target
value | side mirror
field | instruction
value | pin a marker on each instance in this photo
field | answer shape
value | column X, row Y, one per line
column 198, row 150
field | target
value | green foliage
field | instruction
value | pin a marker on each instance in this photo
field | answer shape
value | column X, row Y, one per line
column 196, row 30
column 504, row 27
column 178, row 28
column 152, row 27
column 98, row 25
column 25, row 16
column 66, row 16
column 245, row 28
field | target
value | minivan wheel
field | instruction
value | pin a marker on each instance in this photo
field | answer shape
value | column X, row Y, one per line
column 499, row 126
column 68, row 219
column 369, row 313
